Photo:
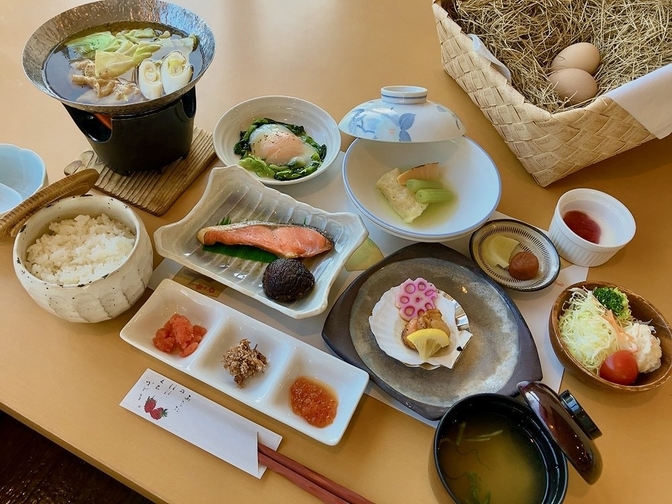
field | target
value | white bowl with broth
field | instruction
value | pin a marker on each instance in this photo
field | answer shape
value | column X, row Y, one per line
column 91, row 297
column 466, row 170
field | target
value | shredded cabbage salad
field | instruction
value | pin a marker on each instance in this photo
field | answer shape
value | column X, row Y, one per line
column 590, row 330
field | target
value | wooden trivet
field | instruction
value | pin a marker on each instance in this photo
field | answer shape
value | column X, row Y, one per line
column 150, row 190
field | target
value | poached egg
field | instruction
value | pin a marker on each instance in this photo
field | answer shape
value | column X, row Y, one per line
column 277, row 145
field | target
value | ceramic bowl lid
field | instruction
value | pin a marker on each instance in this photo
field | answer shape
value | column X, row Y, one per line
column 402, row 114
column 568, row 424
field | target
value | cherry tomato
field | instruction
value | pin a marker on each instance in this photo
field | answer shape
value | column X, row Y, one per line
column 620, row 367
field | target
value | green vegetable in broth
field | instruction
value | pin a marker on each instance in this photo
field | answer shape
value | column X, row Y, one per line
column 87, row 45
column 488, row 459
column 416, row 184
column 434, row 196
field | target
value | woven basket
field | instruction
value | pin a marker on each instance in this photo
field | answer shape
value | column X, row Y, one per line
column 549, row 146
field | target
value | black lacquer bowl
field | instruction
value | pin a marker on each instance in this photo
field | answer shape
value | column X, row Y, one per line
column 501, row 352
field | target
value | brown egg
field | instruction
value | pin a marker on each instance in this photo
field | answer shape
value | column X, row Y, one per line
column 583, row 55
column 573, row 84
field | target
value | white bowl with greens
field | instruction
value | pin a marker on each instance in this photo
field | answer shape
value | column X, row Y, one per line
column 281, row 140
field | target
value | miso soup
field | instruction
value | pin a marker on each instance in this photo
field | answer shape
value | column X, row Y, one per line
column 488, row 458
column 103, row 65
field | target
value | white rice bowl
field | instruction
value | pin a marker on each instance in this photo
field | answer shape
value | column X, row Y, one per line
column 90, row 258
column 80, row 250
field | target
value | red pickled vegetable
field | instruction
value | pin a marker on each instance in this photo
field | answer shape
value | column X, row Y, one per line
column 583, row 225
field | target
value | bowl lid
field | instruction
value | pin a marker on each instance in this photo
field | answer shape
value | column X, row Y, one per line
column 568, row 425
column 402, row 114
column 72, row 185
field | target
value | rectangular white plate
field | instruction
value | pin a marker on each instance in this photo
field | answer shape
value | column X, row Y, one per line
column 268, row 392
column 233, row 194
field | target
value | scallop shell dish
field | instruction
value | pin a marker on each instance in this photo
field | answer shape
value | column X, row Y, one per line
column 394, row 313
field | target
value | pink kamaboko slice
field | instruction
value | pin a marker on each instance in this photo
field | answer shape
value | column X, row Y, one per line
column 414, row 297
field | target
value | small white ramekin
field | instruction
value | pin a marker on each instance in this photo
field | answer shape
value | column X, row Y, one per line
column 615, row 220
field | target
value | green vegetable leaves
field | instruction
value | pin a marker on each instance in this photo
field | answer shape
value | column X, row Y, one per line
column 116, row 54
column 87, row 45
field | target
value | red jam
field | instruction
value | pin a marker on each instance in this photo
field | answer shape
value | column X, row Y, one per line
column 313, row 401
column 581, row 223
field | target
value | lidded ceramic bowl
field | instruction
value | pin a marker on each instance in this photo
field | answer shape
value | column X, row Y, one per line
column 554, row 428
column 98, row 298
column 402, row 114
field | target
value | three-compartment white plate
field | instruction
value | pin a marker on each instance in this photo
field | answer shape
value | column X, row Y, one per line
column 233, row 194
column 268, row 392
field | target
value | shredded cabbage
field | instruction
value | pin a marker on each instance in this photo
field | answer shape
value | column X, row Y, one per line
column 588, row 335
column 592, row 333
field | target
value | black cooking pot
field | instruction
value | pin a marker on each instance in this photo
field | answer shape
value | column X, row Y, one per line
column 134, row 136
column 146, row 141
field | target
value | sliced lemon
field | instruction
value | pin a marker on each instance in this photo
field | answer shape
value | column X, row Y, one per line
column 497, row 250
column 428, row 341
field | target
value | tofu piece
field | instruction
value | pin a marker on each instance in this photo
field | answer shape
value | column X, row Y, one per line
column 400, row 197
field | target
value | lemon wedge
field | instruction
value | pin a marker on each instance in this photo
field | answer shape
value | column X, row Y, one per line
column 497, row 250
column 428, row 341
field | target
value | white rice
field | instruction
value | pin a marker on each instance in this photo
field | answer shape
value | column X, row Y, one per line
column 80, row 250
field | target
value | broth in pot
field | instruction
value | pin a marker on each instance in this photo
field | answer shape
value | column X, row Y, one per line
column 123, row 64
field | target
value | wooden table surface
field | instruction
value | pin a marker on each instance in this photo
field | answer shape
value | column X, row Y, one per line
column 66, row 380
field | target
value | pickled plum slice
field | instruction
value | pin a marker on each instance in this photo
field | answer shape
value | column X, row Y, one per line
column 414, row 297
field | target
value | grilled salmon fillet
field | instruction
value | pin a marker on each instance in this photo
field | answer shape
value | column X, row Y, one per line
column 283, row 240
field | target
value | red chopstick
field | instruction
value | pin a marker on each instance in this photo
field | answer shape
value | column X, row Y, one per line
column 323, row 488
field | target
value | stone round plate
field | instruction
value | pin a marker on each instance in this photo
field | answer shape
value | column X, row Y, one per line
column 500, row 354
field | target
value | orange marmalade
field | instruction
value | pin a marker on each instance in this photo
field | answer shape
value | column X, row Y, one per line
column 313, row 401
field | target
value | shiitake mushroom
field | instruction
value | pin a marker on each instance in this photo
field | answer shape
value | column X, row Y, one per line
column 287, row 280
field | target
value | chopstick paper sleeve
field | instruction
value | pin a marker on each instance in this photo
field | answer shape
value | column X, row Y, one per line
column 200, row 421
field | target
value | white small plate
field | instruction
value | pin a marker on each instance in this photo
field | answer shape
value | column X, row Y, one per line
column 530, row 239
column 317, row 122
column 267, row 392
column 466, row 169
column 234, row 193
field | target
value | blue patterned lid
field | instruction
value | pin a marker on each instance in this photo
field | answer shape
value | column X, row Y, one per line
column 402, row 114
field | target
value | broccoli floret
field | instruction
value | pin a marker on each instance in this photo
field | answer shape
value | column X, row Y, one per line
column 614, row 300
